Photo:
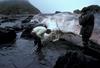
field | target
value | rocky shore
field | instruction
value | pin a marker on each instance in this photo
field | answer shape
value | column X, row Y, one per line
column 21, row 53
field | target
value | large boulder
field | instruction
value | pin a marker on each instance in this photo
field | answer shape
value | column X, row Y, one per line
column 7, row 35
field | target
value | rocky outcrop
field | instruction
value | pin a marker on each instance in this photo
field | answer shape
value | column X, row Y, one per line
column 88, row 9
column 91, row 8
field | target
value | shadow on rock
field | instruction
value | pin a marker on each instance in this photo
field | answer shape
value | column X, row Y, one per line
column 7, row 35
column 76, row 59
column 27, row 33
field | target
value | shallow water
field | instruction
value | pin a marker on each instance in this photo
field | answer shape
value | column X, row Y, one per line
column 22, row 55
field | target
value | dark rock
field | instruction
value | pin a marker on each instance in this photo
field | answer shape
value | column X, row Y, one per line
column 27, row 33
column 40, row 24
column 77, row 11
column 57, row 12
column 27, row 19
column 17, row 28
column 35, row 22
column 91, row 8
column 4, row 17
column 8, row 20
column 94, row 52
column 76, row 59
column 7, row 35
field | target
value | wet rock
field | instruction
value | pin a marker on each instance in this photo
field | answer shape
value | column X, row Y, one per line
column 27, row 19
column 17, row 29
column 4, row 17
column 27, row 33
column 8, row 20
column 91, row 51
column 7, row 35
column 76, row 59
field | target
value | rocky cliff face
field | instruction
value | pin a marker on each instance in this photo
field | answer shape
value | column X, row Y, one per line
column 17, row 7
